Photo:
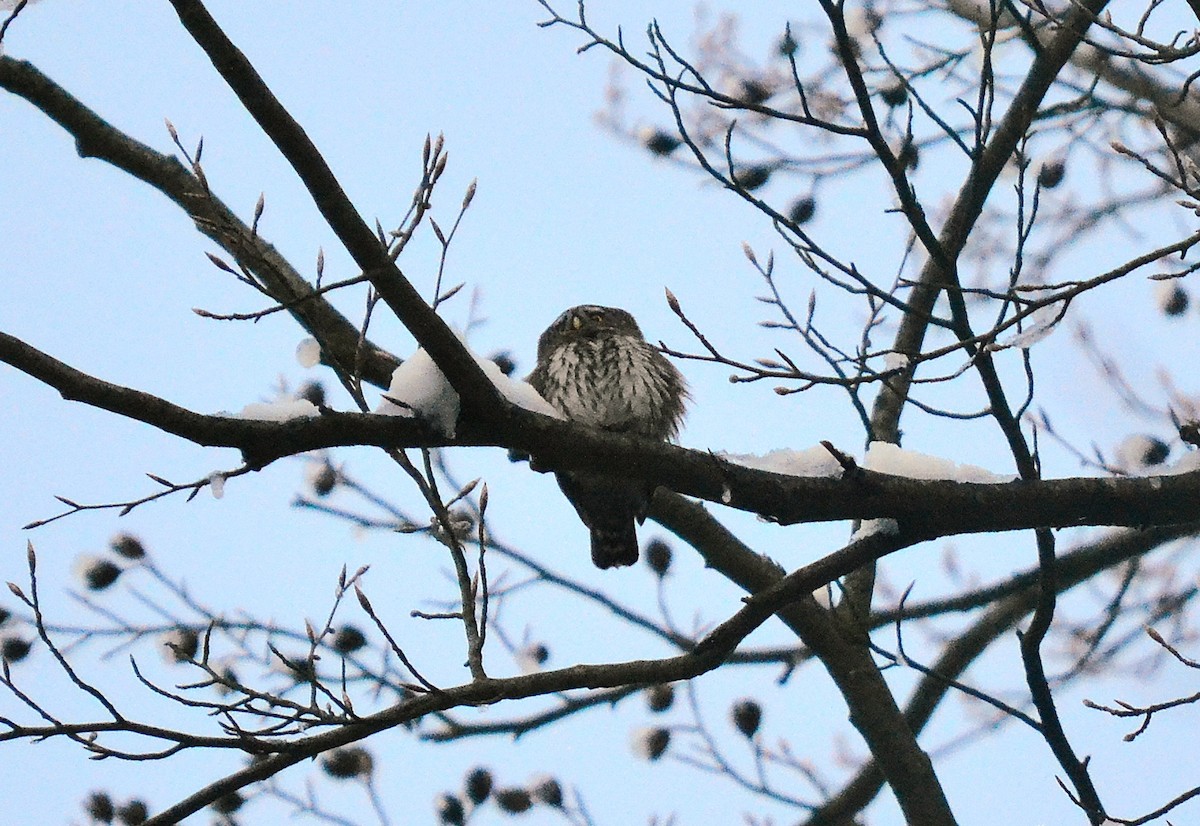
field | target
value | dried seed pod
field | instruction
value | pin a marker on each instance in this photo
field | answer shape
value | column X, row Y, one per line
column 1173, row 299
column 1051, row 174
column 747, row 716
column 96, row 573
column 99, row 807
column 513, row 801
column 752, row 177
column 504, row 361
column 127, row 546
column 651, row 743
column 658, row 557
column 895, row 94
column 450, row 810
column 229, row 803
column 348, row 762
column 478, row 785
column 348, row 640
column 546, row 790
column 802, row 210
column 659, row 142
column 660, row 697
column 14, row 649
column 133, row 813
column 180, row 645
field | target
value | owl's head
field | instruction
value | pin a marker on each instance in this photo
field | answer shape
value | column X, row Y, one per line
column 587, row 321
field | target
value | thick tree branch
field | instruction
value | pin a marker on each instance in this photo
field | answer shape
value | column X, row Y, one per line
column 872, row 707
column 924, row 509
column 96, row 138
column 1077, row 566
column 480, row 399
column 709, row 653
column 968, row 206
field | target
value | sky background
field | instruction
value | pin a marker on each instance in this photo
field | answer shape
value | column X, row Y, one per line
column 102, row 272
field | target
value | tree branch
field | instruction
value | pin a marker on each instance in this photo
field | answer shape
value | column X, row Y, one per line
column 479, row 397
column 96, row 138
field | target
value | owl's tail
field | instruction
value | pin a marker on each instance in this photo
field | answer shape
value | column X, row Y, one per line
column 611, row 507
column 615, row 548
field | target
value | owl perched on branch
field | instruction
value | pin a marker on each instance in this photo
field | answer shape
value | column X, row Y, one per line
column 595, row 366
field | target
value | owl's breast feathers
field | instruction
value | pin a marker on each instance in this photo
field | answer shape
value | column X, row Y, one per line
column 615, row 382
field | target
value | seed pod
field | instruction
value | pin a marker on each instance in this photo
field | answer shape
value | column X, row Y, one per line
column 133, row 813
column 127, row 546
column 747, row 715
column 802, row 210
column 504, row 361
column 99, row 807
column 513, row 801
column 180, row 645
column 894, row 95
column 658, row 557
column 1173, row 299
column 546, row 790
column 97, row 573
column 752, row 177
column 450, row 810
column 787, row 45
column 1051, row 174
column 478, row 785
column 348, row 640
column 660, row 697
column 348, row 762
column 651, row 743
column 228, row 804
column 14, row 649
column 659, row 142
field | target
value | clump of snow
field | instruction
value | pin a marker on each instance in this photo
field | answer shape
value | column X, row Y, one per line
column 883, row 457
column 1028, row 338
column 216, row 484
column 894, row 361
column 280, row 411
column 1041, row 323
column 1141, row 453
column 871, row 527
column 308, row 353
column 825, row 596
column 1186, row 464
column 813, row 461
column 419, row 388
column 519, row 393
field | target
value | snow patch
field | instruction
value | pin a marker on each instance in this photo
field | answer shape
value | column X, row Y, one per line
column 419, row 388
column 871, row 527
column 883, row 457
column 1141, row 454
column 1041, row 323
column 1187, row 463
column 280, row 411
column 308, row 353
column 895, row 361
column 813, row 461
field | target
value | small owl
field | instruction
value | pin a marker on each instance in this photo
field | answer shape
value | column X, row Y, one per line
column 595, row 366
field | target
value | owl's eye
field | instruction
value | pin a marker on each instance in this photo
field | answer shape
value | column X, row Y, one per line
column 576, row 322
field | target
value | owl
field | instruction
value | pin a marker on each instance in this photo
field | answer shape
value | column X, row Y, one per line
column 595, row 366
